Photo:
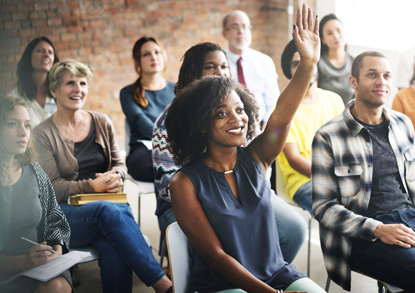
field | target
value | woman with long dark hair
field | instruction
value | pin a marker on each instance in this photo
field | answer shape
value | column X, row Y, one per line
column 143, row 101
column 33, row 79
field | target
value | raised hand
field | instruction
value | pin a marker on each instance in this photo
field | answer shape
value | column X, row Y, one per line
column 306, row 36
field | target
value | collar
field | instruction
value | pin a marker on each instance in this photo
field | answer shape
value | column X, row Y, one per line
column 234, row 57
column 354, row 126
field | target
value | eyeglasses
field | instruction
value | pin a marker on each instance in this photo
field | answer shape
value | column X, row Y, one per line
column 294, row 64
column 236, row 27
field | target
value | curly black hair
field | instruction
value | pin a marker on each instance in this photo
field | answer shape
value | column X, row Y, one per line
column 192, row 110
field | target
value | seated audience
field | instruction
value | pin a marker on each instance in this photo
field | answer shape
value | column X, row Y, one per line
column 143, row 101
column 220, row 197
column 335, row 62
column 363, row 182
column 28, row 207
column 317, row 107
column 202, row 60
column 404, row 100
column 79, row 152
column 33, row 81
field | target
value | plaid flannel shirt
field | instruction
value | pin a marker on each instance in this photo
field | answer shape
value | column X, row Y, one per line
column 342, row 169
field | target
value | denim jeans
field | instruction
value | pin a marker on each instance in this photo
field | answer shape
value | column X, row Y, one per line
column 304, row 197
column 112, row 230
column 389, row 263
column 291, row 226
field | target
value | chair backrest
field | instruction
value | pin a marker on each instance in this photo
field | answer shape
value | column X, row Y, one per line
column 127, row 137
column 178, row 257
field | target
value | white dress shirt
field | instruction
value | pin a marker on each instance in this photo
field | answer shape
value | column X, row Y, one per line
column 260, row 76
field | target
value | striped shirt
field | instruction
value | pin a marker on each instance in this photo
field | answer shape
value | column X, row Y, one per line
column 342, row 168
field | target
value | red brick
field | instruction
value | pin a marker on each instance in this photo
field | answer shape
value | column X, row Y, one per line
column 60, row 46
column 20, row 15
column 55, row 21
column 43, row 31
column 73, row 4
column 39, row 23
column 41, row 6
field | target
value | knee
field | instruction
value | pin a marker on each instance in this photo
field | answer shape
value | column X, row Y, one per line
column 58, row 285
column 114, row 212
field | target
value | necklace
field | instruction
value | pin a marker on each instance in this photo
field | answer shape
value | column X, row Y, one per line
column 228, row 172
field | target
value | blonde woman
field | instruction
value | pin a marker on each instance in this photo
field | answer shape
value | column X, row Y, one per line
column 79, row 151
column 28, row 207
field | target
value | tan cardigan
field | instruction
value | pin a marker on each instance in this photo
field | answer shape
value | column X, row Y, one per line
column 56, row 155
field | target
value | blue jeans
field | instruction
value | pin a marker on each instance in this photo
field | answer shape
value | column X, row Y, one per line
column 291, row 226
column 112, row 230
column 304, row 197
column 390, row 263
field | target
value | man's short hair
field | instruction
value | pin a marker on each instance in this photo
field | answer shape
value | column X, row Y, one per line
column 357, row 61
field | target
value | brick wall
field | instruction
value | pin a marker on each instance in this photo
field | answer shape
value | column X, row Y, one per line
column 101, row 33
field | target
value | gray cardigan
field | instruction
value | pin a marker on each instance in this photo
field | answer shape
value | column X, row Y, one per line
column 56, row 155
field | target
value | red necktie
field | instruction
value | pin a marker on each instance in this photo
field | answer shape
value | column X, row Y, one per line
column 241, row 77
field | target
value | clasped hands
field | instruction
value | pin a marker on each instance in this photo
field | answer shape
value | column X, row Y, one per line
column 110, row 181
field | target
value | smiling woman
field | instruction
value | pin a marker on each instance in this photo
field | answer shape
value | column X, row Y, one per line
column 221, row 197
column 33, row 81
column 79, row 152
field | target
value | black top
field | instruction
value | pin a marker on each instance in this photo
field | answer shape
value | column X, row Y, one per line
column 388, row 193
column 90, row 156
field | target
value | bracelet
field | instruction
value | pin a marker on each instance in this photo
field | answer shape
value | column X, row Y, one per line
column 55, row 242
column 60, row 242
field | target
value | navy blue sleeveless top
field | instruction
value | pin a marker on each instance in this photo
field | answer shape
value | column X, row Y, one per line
column 246, row 229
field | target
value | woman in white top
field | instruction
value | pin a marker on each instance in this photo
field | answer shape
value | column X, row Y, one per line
column 33, row 81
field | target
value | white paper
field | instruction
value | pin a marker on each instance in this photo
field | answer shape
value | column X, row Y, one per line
column 147, row 143
column 52, row 268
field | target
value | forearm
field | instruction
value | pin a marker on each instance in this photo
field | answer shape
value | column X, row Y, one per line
column 64, row 188
column 296, row 160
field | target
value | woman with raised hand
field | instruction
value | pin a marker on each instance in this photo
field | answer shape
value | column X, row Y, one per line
column 335, row 65
column 79, row 152
column 33, row 81
column 201, row 60
column 28, row 207
column 143, row 101
column 221, row 198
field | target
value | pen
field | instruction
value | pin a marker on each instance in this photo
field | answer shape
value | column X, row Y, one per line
column 30, row 241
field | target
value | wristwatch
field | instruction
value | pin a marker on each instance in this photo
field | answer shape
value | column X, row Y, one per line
column 60, row 242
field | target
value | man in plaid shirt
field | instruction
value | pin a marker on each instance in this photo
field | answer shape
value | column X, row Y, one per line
column 363, row 182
